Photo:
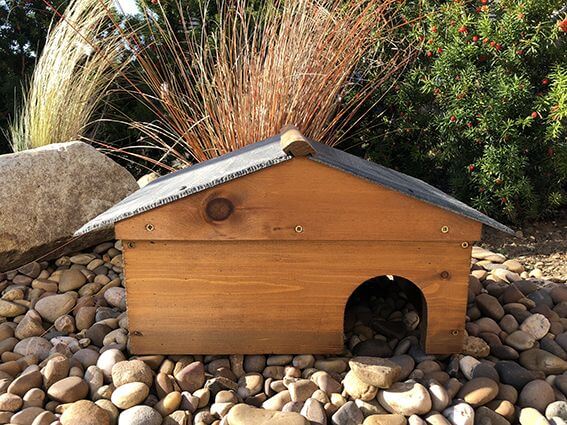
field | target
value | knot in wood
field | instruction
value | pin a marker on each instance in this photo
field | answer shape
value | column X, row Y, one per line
column 219, row 209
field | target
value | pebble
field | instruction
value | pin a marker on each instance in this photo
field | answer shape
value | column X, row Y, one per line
column 130, row 394
column 107, row 360
column 479, row 391
column 557, row 409
column 314, row 412
column 537, row 325
column 475, row 346
column 140, row 415
column 125, row 372
column 490, row 306
column 10, row 309
column 357, row 388
column 520, row 340
column 71, row 279
column 84, row 412
column 386, row 419
column 10, row 402
column 348, row 414
column 69, row 390
column 460, row 414
column 34, row 346
column 30, row 378
column 30, row 325
column 191, row 377
column 513, row 374
column 537, row 394
column 405, row 398
column 541, row 360
column 50, row 308
column 530, row 416
column 378, row 372
column 242, row 414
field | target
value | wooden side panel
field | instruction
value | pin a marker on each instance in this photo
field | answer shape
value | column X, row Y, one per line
column 299, row 200
column 278, row 296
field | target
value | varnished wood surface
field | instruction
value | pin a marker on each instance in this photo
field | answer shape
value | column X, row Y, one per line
column 191, row 297
column 301, row 200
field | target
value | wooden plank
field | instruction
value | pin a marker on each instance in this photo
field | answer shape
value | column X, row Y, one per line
column 300, row 200
column 278, row 296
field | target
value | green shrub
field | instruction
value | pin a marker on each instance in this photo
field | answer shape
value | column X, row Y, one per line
column 482, row 112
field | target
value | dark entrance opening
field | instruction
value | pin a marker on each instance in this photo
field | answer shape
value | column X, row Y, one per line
column 383, row 313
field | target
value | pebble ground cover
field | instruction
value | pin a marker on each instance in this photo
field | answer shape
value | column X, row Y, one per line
column 65, row 359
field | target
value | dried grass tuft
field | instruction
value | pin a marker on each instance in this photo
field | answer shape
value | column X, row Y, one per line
column 245, row 76
column 72, row 76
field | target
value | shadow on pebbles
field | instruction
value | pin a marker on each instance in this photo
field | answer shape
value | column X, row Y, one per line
column 64, row 336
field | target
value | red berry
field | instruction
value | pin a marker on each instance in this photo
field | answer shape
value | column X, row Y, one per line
column 545, row 81
column 463, row 29
column 429, row 54
column 534, row 115
column 562, row 25
column 439, row 50
column 498, row 47
column 155, row 1
column 485, row 40
column 471, row 168
column 469, row 124
column 484, row 1
column 519, row 52
column 482, row 58
column 492, row 43
column 504, row 200
column 453, row 118
column 475, row 38
column 434, row 29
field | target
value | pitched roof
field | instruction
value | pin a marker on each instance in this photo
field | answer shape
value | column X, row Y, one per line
column 264, row 154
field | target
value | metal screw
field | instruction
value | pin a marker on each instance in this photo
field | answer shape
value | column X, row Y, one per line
column 298, row 229
column 131, row 244
column 465, row 245
column 445, row 229
column 150, row 227
column 455, row 332
column 444, row 275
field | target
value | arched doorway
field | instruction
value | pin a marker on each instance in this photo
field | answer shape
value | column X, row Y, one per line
column 381, row 312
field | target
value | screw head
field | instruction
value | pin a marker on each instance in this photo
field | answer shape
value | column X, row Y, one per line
column 465, row 245
column 445, row 229
column 298, row 229
column 150, row 227
column 131, row 244
column 445, row 275
column 455, row 332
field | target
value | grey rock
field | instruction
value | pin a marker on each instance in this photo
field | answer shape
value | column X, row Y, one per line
column 62, row 186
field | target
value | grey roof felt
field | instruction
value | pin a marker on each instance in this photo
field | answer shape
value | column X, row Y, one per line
column 264, row 154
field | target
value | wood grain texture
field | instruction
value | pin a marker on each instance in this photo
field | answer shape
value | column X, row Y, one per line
column 327, row 203
column 245, row 297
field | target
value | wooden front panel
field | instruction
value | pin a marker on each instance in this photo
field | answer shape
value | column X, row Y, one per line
column 326, row 203
column 278, row 296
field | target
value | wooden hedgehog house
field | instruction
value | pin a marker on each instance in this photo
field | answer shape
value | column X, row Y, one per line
column 258, row 251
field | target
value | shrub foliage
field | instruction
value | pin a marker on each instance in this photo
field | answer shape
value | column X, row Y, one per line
column 483, row 111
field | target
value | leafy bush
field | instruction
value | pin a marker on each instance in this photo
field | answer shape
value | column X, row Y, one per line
column 483, row 110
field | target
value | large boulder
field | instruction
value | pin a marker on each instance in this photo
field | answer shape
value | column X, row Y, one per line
column 47, row 193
